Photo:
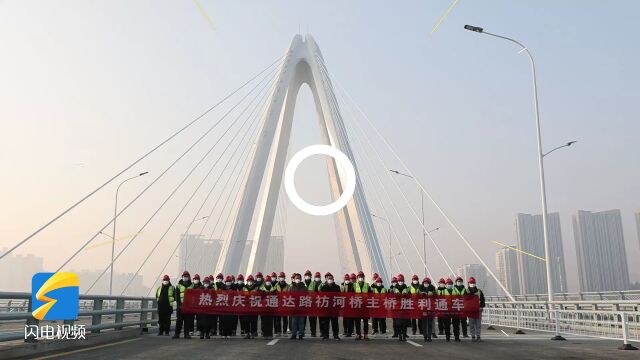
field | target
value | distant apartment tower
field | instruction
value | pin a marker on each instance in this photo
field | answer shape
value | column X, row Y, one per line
column 507, row 270
column 275, row 255
column 483, row 281
column 638, row 225
column 602, row 258
column 198, row 255
column 532, row 271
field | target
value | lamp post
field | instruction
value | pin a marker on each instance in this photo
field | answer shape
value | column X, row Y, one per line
column 543, row 195
column 113, row 236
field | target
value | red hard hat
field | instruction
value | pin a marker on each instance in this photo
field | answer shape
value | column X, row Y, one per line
column 347, row 277
column 426, row 279
column 274, row 275
column 165, row 278
column 394, row 279
column 441, row 281
column 449, row 281
column 308, row 272
column 282, row 274
column 207, row 280
column 250, row 278
column 210, row 277
column 240, row 277
column 185, row 273
column 317, row 274
column 219, row 276
column 229, row 278
column 327, row 274
column 233, row 278
column 196, row 277
column 459, row 278
column 353, row 276
column 267, row 278
column 360, row 273
column 259, row 274
column 379, row 280
column 400, row 277
column 471, row 280
column 375, row 276
column 415, row 277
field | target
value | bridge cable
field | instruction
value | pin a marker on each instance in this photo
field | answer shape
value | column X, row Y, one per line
column 63, row 213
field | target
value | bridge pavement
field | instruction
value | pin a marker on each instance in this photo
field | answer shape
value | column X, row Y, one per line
column 495, row 345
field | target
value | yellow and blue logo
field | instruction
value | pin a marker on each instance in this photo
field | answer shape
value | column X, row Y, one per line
column 54, row 296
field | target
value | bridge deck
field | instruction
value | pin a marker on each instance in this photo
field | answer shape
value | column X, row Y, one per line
column 495, row 345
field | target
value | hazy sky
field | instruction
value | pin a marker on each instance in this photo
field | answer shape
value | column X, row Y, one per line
column 87, row 86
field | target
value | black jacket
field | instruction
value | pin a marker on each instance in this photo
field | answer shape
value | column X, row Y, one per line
column 298, row 287
column 427, row 289
column 474, row 291
column 326, row 287
column 163, row 299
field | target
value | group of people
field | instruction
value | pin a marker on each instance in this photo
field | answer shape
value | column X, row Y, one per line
column 226, row 326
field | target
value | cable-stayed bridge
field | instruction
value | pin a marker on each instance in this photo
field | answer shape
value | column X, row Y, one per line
column 238, row 196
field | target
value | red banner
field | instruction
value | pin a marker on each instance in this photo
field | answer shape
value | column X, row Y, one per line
column 328, row 304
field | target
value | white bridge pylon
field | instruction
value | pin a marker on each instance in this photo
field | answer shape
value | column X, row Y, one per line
column 358, row 244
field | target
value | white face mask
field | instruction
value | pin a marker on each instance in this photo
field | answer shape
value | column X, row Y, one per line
column 330, row 281
column 400, row 283
column 449, row 286
column 185, row 278
column 317, row 279
column 297, row 281
column 165, row 282
column 219, row 280
column 415, row 282
column 249, row 283
column 347, row 282
column 281, row 279
column 240, row 282
column 228, row 283
column 360, row 279
column 394, row 283
column 307, row 277
column 206, row 285
column 268, row 283
column 440, row 285
column 459, row 283
column 425, row 284
column 196, row 281
column 472, row 285
column 259, row 279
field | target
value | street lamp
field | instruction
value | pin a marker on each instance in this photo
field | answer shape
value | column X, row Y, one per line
column 389, row 225
column 424, row 238
column 543, row 194
column 559, row 147
column 113, row 236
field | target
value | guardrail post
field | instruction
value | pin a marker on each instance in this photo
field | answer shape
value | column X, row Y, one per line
column 625, row 334
column 154, row 314
column 518, row 330
column 96, row 319
column 144, row 304
column 490, row 320
column 31, row 321
column 119, row 316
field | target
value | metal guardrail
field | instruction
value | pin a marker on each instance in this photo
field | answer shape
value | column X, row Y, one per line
column 588, row 296
column 96, row 312
column 611, row 319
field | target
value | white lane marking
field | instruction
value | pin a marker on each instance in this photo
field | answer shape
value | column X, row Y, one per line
column 414, row 343
column 505, row 334
column 273, row 342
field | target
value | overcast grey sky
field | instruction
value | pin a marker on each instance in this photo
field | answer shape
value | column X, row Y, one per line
column 87, row 86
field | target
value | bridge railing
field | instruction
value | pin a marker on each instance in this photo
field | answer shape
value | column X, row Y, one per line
column 607, row 318
column 587, row 296
column 96, row 313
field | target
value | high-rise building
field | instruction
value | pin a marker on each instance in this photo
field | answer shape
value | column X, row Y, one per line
column 275, row 255
column 17, row 271
column 507, row 270
column 602, row 257
column 531, row 270
column 638, row 225
column 483, row 281
column 198, row 255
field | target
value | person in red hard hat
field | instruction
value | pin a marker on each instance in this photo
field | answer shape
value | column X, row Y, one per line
column 459, row 322
column 446, row 319
column 394, row 283
column 227, row 321
column 266, row 321
column 475, row 325
column 414, row 289
column 379, row 325
column 281, row 323
column 329, row 286
column 360, row 286
column 238, row 286
column 197, row 284
column 442, row 285
column 427, row 322
column 347, row 322
column 183, row 320
column 400, row 325
column 250, row 321
column 165, row 298
column 313, row 285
